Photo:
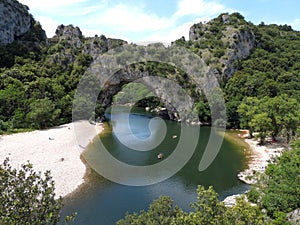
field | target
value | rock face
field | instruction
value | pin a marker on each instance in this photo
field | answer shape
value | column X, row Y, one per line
column 231, row 200
column 71, row 34
column 69, row 38
column 15, row 20
column 223, row 41
column 243, row 41
column 294, row 217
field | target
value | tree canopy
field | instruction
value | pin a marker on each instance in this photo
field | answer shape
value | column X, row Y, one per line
column 48, row 74
column 28, row 197
column 278, row 190
column 208, row 209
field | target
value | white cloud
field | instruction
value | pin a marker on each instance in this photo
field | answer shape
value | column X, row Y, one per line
column 199, row 8
column 296, row 24
column 129, row 18
column 175, row 32
column 49, row 25
column 50, row 5
column 126, row 21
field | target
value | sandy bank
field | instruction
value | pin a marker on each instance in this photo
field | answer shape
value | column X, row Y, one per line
column 57, row 149
column 259, row 158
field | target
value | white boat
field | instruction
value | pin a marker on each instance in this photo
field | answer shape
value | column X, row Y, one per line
column 159, row 156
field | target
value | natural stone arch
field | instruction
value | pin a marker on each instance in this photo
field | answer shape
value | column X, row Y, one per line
column 105, row 71
column 128, row 75
column 109, row 72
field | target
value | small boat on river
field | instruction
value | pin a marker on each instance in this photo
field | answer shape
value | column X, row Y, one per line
column 160, row 156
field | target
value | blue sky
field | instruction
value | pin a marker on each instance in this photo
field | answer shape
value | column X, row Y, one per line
column 154, row 20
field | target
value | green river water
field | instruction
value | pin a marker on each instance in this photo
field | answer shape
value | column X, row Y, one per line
column 102, row 202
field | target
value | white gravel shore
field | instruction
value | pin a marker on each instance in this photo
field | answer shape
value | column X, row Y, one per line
column 259, row 159
column 57, row 149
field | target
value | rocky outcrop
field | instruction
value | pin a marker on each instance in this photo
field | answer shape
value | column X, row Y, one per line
column 230, row 201
column 68, row 42
column 222, row 42
column 242, row 42
column 15, row 20
column 70, row 34
column 72, row 37
column 294, row 217
column 99, row 44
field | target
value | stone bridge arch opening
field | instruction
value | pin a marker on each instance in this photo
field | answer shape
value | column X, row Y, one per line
column 131, row 63
column 133, row 74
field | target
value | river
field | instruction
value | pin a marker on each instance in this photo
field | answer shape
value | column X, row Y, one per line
column 102, row 202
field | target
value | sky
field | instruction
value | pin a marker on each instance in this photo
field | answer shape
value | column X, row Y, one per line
column 154, row 20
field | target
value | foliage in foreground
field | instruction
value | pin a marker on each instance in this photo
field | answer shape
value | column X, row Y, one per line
column 208, row 210
column 28, row 197
column 278, row 190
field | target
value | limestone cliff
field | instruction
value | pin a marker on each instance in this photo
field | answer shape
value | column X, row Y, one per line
column 16, row 22
column 68, row 42
column 223, row 41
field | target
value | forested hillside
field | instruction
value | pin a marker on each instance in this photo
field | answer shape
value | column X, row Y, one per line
column 270, row 74
column 38, row 83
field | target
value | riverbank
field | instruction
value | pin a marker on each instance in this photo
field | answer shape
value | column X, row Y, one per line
column 57, row 149
column 259, row 158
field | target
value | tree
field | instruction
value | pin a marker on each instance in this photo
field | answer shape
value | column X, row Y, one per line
column 278, row 115
column 247, row 109
column 43, row 113
column 207, row 210
column 161, row 211
column 278, row 190
column 28, row 197
column 203, row 110
column 261, row 123
column 244, row 213
column 289, row 117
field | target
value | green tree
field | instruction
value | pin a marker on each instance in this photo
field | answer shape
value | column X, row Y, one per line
column 203, row 110
column 278, row 115
column 43, row 113
column 243, row 213
column 161, row 211
column 207, row 210
column 278, row 190
column 284, row 112
column 262, row 124
column 247, row 109
column 28, row 197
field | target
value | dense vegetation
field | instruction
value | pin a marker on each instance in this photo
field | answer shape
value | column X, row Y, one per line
column 279, row 115
column 271, row 70
column 208, row 210
column 278, row 189
column 37, row 85
column 276, row 194
column 28, row 197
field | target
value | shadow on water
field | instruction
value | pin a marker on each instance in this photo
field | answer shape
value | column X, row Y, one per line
column 100, row 201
